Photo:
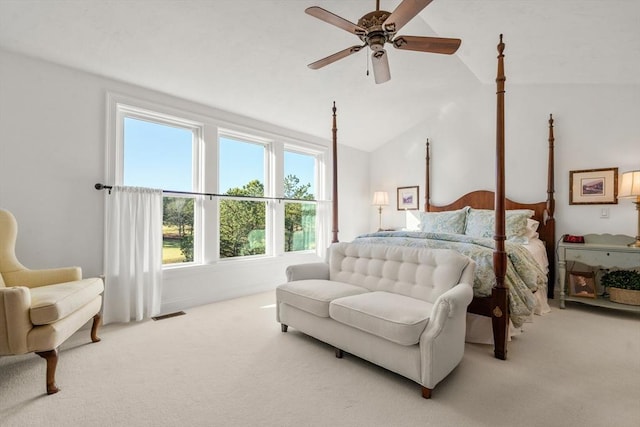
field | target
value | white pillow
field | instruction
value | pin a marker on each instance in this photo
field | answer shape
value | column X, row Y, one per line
column 532, row 229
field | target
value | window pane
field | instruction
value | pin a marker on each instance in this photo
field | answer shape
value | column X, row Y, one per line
column 300, row 226
column 299, row 218
column 177, row 230
column 242, row 228
column 242, row 223
column 241, row 165
column 157, row 155
column 299, row 172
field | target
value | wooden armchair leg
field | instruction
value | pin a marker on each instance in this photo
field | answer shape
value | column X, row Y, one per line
column 426, row 392
column 51, row 357
column 94, row 328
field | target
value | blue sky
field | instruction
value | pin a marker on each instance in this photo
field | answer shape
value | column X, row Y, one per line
column 160, row 156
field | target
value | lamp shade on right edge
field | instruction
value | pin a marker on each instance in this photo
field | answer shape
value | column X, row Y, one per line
column 629, row 185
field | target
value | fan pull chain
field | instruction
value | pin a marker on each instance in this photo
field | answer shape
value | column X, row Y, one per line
column 366, row 57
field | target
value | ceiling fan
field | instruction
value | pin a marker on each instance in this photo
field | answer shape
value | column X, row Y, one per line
column 379, row 27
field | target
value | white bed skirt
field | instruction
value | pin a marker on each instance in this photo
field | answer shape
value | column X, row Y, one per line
column 480, row 330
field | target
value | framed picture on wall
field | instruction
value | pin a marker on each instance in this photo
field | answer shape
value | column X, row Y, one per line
column 582, row 284
column 593, row 187
column 408, row 198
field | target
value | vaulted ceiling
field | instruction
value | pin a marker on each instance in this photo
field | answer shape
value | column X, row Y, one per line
column 250, row 57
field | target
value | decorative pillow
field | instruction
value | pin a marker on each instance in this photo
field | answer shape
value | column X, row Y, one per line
column 532, row 225
column 481, row 223
column 532, row 229
column 452, row 222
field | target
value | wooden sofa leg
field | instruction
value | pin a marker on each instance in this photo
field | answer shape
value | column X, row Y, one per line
column 339, row 353
column 426, row 392
column 283, row 327
column 94, row 328
column 51, row 357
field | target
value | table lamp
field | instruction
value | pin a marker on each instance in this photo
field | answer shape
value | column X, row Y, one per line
column 630, row 188
column 380, row 199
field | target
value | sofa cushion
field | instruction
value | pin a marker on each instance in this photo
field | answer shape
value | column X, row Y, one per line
column 54, row 302
column 314, row 296
column 395, row 317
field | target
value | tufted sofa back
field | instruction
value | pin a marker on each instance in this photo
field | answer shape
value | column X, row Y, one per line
column 421, row 273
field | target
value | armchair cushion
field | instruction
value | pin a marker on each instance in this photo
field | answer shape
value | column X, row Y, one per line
column 54, row 302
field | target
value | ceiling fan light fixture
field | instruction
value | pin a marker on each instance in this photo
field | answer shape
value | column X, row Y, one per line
column 380, row 62
column 376, row 41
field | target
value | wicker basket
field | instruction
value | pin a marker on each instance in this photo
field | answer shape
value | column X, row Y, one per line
column 624, row 296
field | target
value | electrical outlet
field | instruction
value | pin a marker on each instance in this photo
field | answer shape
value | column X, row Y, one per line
column 604, row 213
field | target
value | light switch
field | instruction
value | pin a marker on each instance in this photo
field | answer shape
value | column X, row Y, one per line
column 604, row 213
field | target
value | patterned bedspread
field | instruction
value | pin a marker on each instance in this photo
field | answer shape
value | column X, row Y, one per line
column 524, row 275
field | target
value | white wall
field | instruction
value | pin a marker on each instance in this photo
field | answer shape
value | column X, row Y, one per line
column 354, row 198
column 52, row 152
column 596, row 126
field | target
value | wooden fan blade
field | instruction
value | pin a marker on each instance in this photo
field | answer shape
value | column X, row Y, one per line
column 404, row 13
column 380, row 62
column 427, row 44
column 333, row 19
column 333, row 58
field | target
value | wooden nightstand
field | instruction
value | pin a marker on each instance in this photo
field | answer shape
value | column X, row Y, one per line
column 603, row 251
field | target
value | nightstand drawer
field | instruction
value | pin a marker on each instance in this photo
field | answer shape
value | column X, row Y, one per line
column 604, row 258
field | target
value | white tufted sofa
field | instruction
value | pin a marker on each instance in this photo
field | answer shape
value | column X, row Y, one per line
column 401, row 308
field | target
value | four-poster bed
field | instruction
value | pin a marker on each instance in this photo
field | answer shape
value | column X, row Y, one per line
column 502, row 297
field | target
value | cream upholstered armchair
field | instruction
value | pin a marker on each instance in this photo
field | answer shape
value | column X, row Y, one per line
column 40, row 309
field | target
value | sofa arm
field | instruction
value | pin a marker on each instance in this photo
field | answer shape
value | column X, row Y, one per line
column 442, row 342
column 36, row 278
column 457, row 299
column 312, row 270
column 15, row 322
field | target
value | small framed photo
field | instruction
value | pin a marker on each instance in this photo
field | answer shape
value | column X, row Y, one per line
column 408, row 198
column 582, row 284
column 593, row 187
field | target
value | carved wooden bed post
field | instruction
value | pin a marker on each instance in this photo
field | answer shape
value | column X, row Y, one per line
column 551, row 207
column 500, row 311
column 334, row 226
column 427, row 184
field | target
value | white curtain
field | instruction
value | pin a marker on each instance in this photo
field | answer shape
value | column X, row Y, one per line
column 133, row 254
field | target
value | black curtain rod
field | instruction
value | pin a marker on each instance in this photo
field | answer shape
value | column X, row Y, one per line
column 99, row 186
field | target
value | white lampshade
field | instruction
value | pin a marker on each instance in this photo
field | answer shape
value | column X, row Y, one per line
column 629, row 185
column 380, row 198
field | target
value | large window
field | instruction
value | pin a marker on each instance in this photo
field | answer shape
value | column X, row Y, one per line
column 229, row 194
column 159, row 154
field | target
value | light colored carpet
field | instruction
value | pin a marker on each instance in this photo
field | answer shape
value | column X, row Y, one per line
column 228, row 364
